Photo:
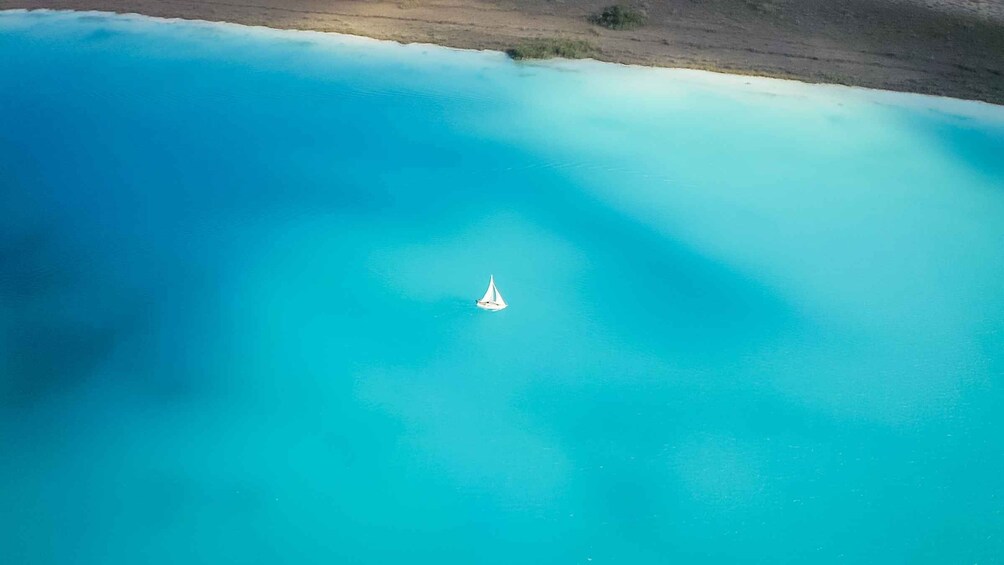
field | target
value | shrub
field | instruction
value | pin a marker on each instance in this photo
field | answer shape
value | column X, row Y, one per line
column 550, row 48
column 619, row 17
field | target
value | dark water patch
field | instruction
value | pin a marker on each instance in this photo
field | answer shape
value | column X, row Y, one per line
column 979, row 145
column 43, row 358
column 669, row 290
column 980, row 148
column 92, row 18
column 65, row 313
column 102, row 34
column 47, row 345
column 29, row 266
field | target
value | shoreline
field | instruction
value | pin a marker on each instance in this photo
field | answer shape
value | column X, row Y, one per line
column 771, row 86
column 982, row 86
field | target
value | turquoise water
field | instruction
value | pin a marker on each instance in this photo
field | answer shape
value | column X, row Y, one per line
column 750, row 320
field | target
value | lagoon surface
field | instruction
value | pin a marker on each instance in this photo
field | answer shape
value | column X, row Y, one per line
column 749, row 321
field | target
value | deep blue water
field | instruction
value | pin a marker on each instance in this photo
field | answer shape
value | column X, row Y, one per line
column 750, row 320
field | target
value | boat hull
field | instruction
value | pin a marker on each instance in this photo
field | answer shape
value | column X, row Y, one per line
column 490, row 306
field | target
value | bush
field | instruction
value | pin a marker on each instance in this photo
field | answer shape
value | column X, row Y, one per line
column 619, row 17
column 550, row 48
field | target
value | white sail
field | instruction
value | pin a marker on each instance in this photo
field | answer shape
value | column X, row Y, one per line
column 490, row 293
column 492, row 300
column 498, row 298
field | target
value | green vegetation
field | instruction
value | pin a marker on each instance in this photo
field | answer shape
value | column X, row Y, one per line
column 619, row 17
column 550, row 48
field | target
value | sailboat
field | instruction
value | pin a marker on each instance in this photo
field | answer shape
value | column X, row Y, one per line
column 492, row 300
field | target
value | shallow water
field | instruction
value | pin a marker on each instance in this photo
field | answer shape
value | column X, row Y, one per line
column 750, row 320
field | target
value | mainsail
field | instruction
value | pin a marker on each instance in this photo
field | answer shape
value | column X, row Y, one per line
column 491, row 292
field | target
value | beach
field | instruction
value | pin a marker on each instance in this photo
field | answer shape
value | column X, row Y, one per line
column 944, row 47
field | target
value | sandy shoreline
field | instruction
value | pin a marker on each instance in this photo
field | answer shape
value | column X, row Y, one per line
column 945, row 47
